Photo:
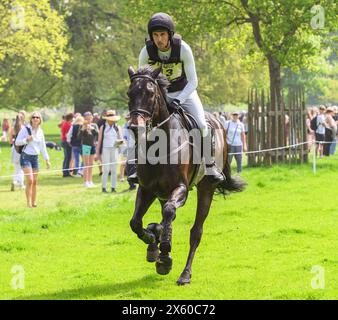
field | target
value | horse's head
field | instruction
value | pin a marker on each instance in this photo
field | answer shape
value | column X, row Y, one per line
column 144, row 95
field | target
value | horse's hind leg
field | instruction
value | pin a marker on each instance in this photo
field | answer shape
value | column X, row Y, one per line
column 177, row 199
column 143, row 202
column 204, row 193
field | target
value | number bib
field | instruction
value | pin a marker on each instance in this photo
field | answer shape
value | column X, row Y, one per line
column 171, row 71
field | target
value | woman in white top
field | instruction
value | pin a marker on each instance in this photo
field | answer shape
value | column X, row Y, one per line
column 33, row 140
column 107, row 149
column 236, row 140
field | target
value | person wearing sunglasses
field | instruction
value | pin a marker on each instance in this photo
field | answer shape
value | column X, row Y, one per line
column 32, row 138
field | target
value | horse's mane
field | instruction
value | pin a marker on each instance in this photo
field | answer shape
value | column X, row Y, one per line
column 161, row 79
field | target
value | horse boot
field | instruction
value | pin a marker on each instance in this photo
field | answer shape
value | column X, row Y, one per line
column 153, row 250
column 214, row 174
column 164, row 261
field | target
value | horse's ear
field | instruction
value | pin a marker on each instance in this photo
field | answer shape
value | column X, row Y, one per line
column 156, row 72
column 131, row 71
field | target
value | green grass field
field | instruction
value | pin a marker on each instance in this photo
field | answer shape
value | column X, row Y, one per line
column 259, row 244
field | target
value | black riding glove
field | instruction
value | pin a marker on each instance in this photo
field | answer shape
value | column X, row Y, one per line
column 175, row 105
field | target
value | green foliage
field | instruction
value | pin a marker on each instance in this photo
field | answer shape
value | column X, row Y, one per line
column 77, row 52
column 33, row 36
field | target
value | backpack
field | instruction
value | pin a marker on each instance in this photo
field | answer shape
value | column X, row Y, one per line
column 313, row 124
column 19, row 149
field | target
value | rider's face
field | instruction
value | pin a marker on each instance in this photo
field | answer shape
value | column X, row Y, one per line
column 161, row 39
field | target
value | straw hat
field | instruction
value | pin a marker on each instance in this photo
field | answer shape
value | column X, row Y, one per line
column 329, row 109
column 111, row 116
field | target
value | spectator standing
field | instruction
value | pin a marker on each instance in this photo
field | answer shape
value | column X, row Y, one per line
column 222, row 119
column 110, row 138
column 236, row 140
column 330, row 130
column 33, row 140
column 310, row 134
column 88, row 135
column 67, row 148
column 334, row 142
column 320, row 131
column 5, row 129
column 18, row 177
column 100, row 123
column 75, row 142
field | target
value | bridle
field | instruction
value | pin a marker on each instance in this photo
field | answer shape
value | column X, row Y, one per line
column 145, row 113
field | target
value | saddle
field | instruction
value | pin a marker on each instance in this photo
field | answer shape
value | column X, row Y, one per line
column 187, row 119
column 189, row 123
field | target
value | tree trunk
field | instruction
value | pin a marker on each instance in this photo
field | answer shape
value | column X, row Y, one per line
column 277, row 121
column 83, row 93
column 83, row 104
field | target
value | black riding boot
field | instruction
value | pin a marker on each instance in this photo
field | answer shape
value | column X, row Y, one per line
column 214, row 174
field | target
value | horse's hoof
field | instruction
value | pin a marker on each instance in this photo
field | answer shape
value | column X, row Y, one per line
column 152, row 252
column 184, row 279
column 164, row 264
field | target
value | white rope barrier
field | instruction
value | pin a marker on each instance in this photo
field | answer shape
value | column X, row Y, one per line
column 131, row 160
column 48, row 171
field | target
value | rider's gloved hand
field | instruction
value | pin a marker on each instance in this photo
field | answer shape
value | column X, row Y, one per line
column 175, row 105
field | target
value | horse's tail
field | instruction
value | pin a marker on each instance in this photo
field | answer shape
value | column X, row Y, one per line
column 230, row 184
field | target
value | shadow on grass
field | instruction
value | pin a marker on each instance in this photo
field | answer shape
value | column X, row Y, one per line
column 122, row 290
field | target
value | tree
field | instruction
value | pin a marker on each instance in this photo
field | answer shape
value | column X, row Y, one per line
column 101, row 49
column 32, row 38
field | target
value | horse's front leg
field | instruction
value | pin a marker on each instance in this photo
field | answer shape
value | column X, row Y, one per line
column 176, row 200
column 144, row 200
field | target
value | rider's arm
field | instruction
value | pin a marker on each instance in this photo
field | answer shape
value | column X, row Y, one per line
column 190, row 71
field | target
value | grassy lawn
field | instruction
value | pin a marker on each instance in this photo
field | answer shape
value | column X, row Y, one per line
column 259, row 244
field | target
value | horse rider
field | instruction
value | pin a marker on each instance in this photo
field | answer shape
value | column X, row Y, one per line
column 167, row 50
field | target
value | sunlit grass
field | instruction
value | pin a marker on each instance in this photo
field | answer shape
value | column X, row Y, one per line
column 259, row 244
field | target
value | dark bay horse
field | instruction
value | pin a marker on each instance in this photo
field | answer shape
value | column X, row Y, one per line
column 169, row 183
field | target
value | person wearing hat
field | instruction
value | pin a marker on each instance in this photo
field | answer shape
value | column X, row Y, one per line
column 236, row 139
column 164, row 49
column 330, row 130
column 110, row 138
